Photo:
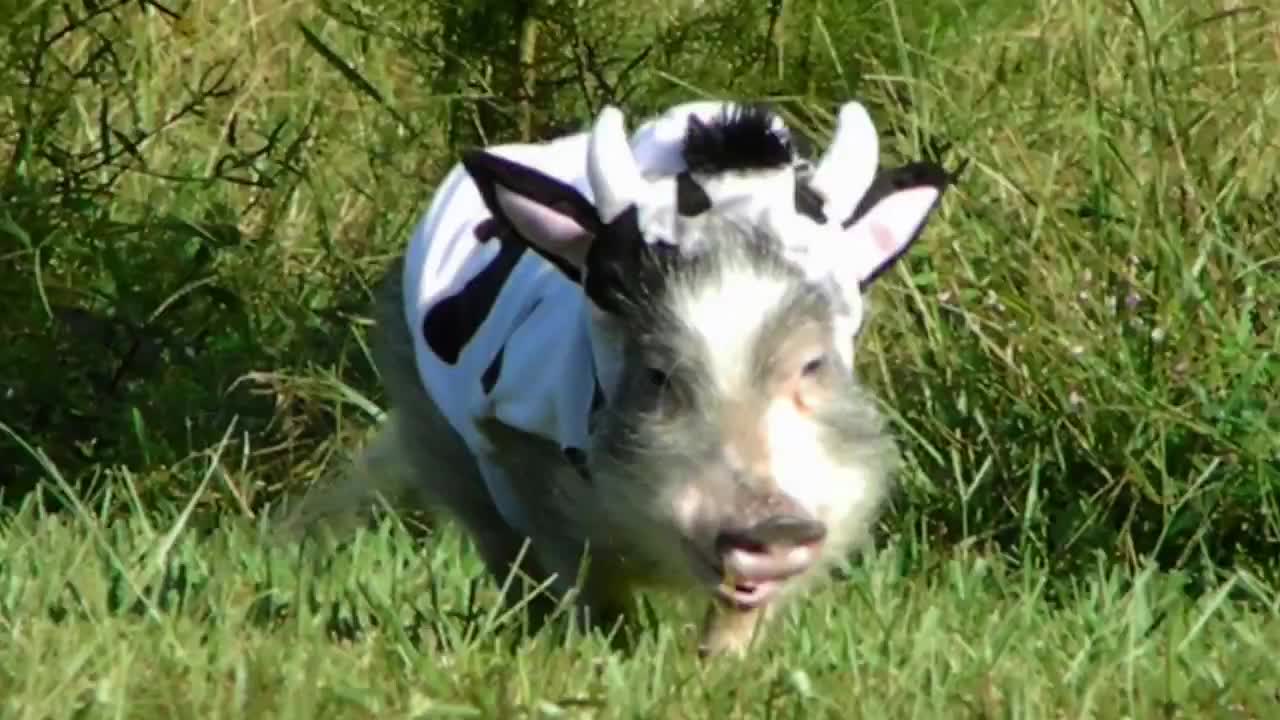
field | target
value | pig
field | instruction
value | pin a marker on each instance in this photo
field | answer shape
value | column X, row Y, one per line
column 627, row 364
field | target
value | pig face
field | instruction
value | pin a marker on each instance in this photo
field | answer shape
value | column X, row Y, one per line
column 739, row 454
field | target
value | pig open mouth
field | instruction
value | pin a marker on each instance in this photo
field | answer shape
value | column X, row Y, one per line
column 749, row 576
column 754, row 582
column 749, row 595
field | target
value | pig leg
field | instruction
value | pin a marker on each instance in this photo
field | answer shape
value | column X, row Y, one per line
column 558, row 500
column 729, row 631
column 442, row 470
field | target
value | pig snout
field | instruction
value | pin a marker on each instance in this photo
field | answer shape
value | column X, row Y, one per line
column 758, row 558
column 773, row 531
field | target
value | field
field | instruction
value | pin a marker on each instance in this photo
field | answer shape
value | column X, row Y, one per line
column 1080, row 356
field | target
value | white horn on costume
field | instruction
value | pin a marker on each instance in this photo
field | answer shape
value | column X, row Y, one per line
column 849, row 165
column 615, row 177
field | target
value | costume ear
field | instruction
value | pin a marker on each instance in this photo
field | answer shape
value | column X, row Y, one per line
column 888, row 219
column 549, row 215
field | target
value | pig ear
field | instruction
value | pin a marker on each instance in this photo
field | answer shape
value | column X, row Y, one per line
column 889, row 218
column 549, row 215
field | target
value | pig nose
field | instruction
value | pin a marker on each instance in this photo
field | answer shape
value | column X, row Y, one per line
column 771, row 532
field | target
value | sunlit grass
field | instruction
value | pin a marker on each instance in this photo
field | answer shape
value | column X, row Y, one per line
column 142, row 617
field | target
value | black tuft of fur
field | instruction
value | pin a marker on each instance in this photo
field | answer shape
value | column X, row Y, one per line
column 741, row 138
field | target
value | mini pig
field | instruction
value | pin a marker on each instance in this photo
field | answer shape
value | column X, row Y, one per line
column 636, row 356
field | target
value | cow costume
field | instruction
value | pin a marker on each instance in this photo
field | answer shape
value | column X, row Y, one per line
column 502, row 333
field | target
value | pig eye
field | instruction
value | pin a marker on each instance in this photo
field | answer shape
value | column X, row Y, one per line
column 658, row 378
column 814, row 366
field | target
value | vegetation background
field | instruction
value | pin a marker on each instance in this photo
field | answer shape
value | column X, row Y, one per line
column 1080, row 355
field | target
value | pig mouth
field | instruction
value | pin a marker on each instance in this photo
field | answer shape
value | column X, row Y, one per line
column 748, row 594
column 749, row 586
column 752, row 588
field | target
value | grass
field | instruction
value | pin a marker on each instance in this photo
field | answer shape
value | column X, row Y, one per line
column 148, row 617
column 1080, row 356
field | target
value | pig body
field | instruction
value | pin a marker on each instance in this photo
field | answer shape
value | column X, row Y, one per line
column 640, row 353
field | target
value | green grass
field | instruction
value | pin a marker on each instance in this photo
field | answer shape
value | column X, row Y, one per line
column 1080, row 356
column 147, row 617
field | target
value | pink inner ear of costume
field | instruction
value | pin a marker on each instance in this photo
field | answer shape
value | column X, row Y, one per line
column 881, row 236
column 550, row 230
